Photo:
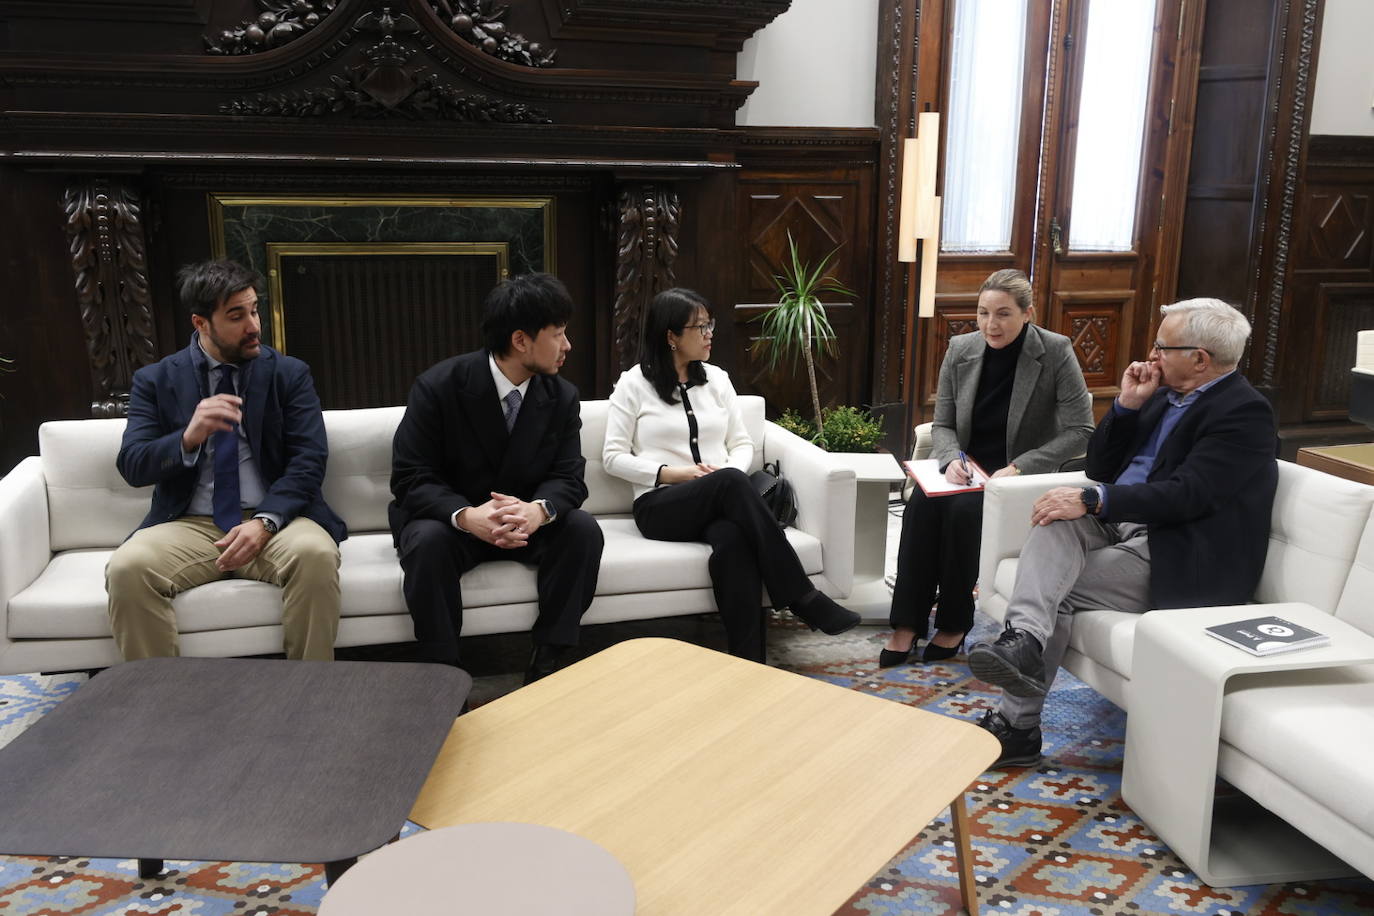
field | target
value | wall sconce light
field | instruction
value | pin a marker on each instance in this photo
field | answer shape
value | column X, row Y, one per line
column 920, row 211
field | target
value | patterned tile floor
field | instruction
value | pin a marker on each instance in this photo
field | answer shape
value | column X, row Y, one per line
column 1055, row 840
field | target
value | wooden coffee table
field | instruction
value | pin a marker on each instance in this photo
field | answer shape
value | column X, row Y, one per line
column 722, row 785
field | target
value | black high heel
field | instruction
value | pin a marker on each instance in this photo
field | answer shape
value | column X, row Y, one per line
column 934, row 653
column 891, row 658
column 818, row 611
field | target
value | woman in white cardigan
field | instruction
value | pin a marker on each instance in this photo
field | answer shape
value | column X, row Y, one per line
column 674, row 431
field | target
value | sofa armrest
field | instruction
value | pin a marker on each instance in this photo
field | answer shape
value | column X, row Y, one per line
column 24, row 551
column 1007, row 503
column 827, row 499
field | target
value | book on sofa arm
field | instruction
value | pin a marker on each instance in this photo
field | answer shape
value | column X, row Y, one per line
column 1267, row 635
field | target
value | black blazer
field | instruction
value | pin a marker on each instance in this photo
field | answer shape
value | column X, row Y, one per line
column 1208, row 497
column 281, row 413
column 452, row 450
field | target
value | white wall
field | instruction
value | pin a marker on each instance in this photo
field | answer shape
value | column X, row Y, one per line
column 815, row 64
column 1344, row 92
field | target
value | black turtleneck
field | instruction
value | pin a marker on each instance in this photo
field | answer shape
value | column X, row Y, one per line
column 988, row 436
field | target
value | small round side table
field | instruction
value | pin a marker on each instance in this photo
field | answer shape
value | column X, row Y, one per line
column 493, row 869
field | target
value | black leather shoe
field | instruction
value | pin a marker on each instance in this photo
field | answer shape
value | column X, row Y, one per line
column 543, row 662
column 819, row 612
column 1015, row 663
column 934, row 653
column 1020, row 746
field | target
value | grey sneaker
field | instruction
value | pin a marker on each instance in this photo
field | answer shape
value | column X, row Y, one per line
column 1020, row 746
column 1015, row 663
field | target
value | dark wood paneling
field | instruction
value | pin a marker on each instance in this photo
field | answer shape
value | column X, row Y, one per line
column 824, row 209
column 1342, row 310
column 1331, row 293
column 40, row 324
column 1224, row 176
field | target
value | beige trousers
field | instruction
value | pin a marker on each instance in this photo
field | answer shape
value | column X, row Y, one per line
column 161, row 561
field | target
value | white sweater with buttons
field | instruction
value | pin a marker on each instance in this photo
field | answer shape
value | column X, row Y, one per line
column 643, row 433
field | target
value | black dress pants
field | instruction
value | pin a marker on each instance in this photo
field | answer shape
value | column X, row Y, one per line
column 938, row 551
column 434, row 555
column 748, row 548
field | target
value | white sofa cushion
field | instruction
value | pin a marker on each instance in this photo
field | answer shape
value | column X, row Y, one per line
column 68, row 599
column 1314, row 532
column 1313, row 728
column 1357, row 601
column 357, row 482
column 89, row 504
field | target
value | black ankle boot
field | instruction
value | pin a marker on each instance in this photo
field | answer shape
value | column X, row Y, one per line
column 819, row 612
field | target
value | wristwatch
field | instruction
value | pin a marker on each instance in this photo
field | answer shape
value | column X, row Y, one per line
column 267, row 523
column 1092, row 500
column 550, row 513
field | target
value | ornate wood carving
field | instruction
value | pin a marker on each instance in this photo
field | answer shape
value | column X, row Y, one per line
column 108, row 257
column 280, row 22
column 481, row 24
column 727, row 24
column 387, row 83
column 1290, row 160
column 646, row 247
column 897, row 56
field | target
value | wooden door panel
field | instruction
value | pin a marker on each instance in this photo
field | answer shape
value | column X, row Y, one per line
column 1340, row 225
column 823, row 211
column 1340, row 311
column 955, row 314
column 1097, row 321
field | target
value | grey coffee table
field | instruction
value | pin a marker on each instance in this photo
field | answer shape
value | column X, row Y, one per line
column 228, row 760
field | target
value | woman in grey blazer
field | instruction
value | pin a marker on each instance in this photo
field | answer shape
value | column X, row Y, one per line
column 1012, row 398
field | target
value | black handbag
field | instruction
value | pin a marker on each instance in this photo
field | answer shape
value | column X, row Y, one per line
column 777, row 494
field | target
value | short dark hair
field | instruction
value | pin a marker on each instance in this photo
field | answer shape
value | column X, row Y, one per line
column 529, row 303
column 670, row 310
column 202, row 287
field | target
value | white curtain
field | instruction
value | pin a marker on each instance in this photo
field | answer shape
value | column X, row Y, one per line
column 983, row 124
column 1111, row 124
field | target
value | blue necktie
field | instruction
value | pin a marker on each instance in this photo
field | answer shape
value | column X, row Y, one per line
column 512, row 408
column 228, row 508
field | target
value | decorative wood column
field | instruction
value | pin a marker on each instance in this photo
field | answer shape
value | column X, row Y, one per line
column 105, row 235
column 646, row 248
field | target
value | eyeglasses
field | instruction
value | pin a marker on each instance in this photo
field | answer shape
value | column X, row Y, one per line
column 705, row 329
column 1163, row 349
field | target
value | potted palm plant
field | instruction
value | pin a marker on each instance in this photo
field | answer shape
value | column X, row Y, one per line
column 797, row 328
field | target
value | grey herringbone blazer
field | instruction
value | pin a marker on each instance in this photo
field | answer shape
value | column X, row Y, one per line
column 1050, row 417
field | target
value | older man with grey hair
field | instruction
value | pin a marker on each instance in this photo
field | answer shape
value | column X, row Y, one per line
column 1181, row 518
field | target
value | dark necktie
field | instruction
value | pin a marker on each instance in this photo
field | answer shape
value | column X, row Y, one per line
column 512, row 408
column 228, row 509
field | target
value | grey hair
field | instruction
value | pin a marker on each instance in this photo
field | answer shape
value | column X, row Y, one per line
column 1012, row 282
column 1214, row 326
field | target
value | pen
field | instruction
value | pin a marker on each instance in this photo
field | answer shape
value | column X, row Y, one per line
column 963, row 459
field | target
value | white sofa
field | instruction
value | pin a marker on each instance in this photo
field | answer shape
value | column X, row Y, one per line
column 64, row 511
column 1296, row 741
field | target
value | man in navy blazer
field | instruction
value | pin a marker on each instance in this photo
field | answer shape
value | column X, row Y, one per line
column 487, row 465
column 229, row 434
column 1187, row 459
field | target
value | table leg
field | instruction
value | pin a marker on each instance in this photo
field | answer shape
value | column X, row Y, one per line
column 968, row 887
column 149, row 868
column 334, row 870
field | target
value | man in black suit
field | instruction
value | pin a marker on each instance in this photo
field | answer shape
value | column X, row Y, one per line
column 487, row 465
column 230, row 435
column 1188, row 451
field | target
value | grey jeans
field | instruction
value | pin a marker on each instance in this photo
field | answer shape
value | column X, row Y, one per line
column 1067, row 566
